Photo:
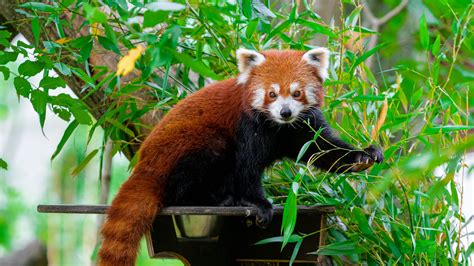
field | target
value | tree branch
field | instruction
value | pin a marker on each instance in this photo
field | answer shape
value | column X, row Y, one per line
column 376, row 23
column 96, row 102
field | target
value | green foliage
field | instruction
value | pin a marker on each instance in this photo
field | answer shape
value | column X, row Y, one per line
column 3, row 164
column 414, row 103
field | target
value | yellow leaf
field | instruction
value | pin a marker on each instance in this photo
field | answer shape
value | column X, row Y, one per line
column 127, row 63
column 95, row 30
column 381, row 120
column 63, row 40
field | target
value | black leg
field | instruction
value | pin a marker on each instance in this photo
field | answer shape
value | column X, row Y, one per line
column 329, row 152
column 255, row 151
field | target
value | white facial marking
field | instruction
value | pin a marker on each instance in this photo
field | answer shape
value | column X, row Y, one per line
column 294, row 86
column 310, row 92
column 288, row 102
column 276, row 87
column 258, row 98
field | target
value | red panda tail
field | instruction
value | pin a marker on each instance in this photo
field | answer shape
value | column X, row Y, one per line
column 129, row 218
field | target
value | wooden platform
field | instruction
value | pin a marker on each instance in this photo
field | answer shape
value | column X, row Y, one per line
column 180, row 210
column 216, row 236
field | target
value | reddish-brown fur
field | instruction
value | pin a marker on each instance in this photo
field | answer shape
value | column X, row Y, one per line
column 189, row 126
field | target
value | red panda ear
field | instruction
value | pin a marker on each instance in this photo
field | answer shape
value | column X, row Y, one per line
column 246, row 60
column 318, row 57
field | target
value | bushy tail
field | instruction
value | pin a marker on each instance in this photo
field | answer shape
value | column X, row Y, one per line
column 130, row 216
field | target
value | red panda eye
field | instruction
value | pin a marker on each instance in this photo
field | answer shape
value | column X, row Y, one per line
column 272, row 94
column 297, row 94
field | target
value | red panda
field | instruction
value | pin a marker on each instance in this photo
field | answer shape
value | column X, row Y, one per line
column 212, row 147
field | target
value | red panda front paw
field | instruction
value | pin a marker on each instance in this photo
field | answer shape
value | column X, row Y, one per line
column 264, row 209
column 264, row 216
column 367, row 158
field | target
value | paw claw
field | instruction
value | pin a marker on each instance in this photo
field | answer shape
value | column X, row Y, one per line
column 367, row 158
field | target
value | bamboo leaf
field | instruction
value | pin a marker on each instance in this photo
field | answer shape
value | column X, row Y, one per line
column 197, row 66
column 364, row 56
column 340, row 248
column 303, row 150
column 447, row 129
column 121, row 127
column 318, row 28
column 84, row 162
column 424, row 35
column 278, row 239
column 38, row 6
column 295, row 251
column 67, row 134
column 35, row 28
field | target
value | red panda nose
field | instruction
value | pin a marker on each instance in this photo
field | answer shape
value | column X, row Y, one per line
column 285, row 112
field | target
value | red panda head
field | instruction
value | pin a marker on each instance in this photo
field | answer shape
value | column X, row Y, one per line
column 283, row 84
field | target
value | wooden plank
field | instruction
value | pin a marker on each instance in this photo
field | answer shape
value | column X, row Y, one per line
column 180, row 210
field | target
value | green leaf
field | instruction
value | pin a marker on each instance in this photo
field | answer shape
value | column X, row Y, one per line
column 81, row 114
column 197, row 66
column 84, row 162
column 35, row 27
column 6, row 57
column 51, row 83
column 364, row 56
column 85, row 51
column 62, row 68
column 318, row 28
column 469, row 250
column 3, row 164
column 38, row 6
column 93, row 14
column 121, row 127
column 353, row 18
column 67, row 133
column 289, row 214
column 251, row 27
column 278, row 29
column 295, row 251
column 22, row 86
column 5, row 71
column 30, row 68
column 247, row 8
column 75, row 106
column 305, row 146
column 151, row 18
column 360, row 218
column 303, row 150
column 424, row 35
column 5, row 38
column 39, row 100
column 83, row 76
column 446, row 129
column 339, row 248
column 108, row 44
column 436, row 46
column 278, row 239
